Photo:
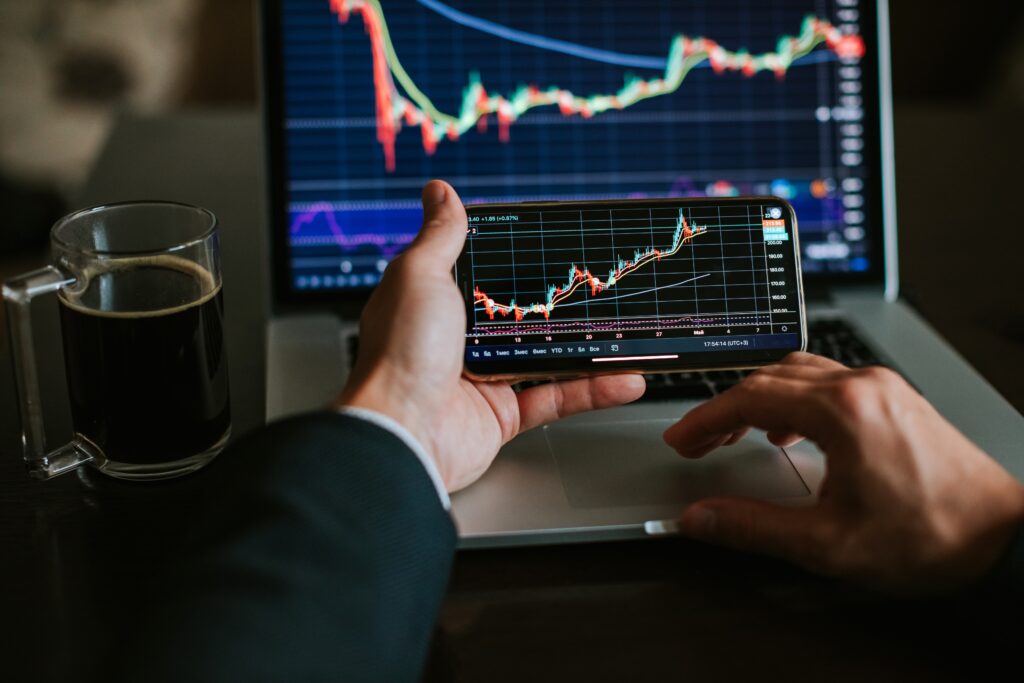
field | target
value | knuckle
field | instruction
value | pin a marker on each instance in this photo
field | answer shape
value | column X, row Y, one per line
column 797, row 358
column 875, row 373
column 598, row 394
column 884, row 378
column 852, row 395
column 755, row 383
column 509, row 421
column 557, row 398
column 769, row 371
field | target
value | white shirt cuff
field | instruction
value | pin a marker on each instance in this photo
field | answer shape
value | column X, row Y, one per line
column 385, row 422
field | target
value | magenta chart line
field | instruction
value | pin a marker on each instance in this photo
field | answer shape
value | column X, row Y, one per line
column 389, row 244
column 685, row 322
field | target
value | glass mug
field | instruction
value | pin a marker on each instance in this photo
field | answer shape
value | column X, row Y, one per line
column 139, row 292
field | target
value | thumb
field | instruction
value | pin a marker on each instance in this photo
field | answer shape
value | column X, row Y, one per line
column 444, row 225
column 755, row 526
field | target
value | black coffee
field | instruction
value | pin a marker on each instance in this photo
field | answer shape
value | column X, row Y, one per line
column 149, row 385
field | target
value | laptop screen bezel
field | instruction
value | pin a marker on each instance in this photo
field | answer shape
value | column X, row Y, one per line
column 285, row 297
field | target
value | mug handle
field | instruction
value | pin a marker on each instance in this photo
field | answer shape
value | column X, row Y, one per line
column 18, row 294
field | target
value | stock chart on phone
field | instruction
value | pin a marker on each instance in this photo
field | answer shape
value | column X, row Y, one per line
column 535, row 100
column 634, row 278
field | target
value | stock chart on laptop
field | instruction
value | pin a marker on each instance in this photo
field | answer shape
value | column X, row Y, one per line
column 535, row 100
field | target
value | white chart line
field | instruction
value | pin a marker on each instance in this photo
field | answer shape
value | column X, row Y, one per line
column 623, row 296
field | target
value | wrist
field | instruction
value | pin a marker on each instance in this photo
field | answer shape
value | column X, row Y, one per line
column 987, row 542
column 386, row 397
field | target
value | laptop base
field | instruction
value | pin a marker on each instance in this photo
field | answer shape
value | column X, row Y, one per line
column 605, row 475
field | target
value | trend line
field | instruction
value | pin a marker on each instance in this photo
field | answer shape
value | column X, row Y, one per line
column 543, row 42
column 683, row 233
column 565, row 47
column 387, row 243
column 414, row 108
column 640, row 293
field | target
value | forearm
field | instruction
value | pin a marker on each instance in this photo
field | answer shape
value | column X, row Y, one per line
column 331, row 563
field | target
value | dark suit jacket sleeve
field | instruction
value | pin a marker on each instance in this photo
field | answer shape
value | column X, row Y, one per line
column 1007, row 580
column 331, row 554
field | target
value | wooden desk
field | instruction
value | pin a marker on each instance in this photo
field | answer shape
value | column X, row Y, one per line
column 76, row 550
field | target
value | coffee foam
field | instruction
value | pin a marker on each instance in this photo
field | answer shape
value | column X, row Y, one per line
column 207, row 284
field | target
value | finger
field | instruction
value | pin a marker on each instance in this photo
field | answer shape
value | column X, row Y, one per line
column 444, row 226
column 812, row 360
column 736, row 436
column 811, row 372
column 546, row 403
column 795, row 534
column 762, row 401
column 784, row 439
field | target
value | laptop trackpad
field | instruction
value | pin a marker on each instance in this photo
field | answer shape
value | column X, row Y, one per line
column 621, row 464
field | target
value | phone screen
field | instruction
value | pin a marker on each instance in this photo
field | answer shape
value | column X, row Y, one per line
column 562, row 288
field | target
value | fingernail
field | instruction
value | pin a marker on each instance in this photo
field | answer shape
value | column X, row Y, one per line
column 434, row 193
column 699, row 522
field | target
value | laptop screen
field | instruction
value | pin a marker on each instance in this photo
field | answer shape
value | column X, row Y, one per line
column 587, row 99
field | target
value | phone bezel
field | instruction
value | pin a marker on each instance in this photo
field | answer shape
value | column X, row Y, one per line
column 548, row 369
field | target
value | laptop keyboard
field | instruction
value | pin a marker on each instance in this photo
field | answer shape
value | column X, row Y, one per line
column 830, row 337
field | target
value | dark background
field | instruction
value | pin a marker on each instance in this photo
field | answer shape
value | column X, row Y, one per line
column 958, row 75
column 959, row 79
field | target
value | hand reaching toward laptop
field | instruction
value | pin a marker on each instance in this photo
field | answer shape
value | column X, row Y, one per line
column 908, row 504
column 411, row 358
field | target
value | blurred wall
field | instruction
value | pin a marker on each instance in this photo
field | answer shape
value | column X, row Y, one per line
column 67, row 67
column 955, row 53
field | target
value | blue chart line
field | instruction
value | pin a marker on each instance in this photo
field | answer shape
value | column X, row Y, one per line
column 543, row 42
column 575, row 49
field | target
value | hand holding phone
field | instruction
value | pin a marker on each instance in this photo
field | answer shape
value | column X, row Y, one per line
column 556, row 289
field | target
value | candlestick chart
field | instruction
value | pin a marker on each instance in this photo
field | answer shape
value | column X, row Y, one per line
column 582, row 277
column 622, row 269
column 580, row 99
column 414, row 108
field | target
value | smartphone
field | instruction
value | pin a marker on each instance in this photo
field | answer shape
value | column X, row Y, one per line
column 564, row 289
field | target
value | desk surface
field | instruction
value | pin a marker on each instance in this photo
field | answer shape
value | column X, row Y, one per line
column 75, row 549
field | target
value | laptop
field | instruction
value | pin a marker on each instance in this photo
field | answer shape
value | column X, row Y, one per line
column 366, row 100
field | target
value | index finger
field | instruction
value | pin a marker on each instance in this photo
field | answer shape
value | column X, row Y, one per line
column 767, row 402
column 811, row 360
